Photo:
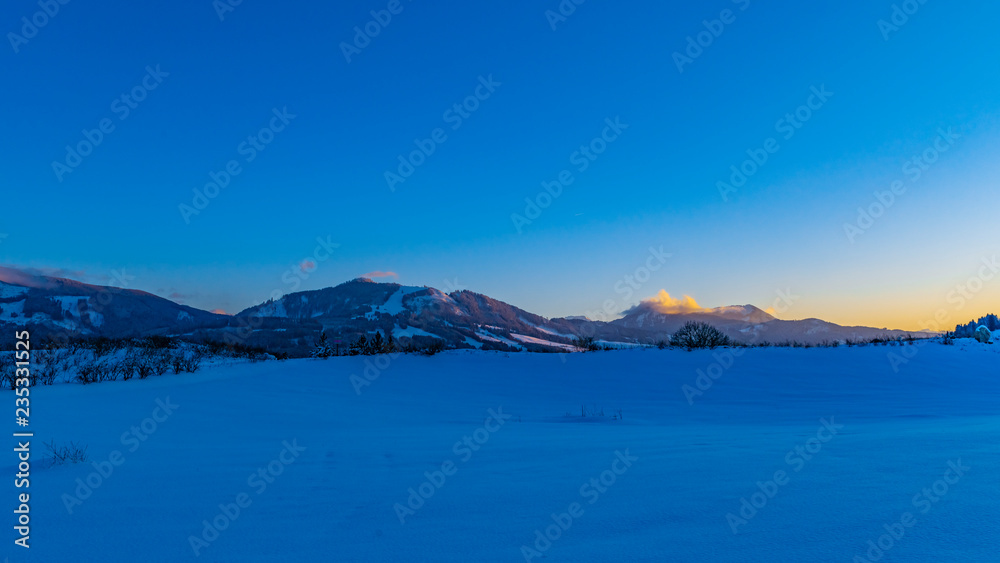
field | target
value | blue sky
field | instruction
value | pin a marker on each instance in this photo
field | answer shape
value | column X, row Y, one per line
column 323, row 175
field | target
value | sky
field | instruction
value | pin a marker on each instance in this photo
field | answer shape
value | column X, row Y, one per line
column 568, row 159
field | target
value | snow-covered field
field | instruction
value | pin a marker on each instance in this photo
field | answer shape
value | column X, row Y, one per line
column 830, row 448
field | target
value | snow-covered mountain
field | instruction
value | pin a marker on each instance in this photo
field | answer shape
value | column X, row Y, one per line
column 424, row 314
column 462, row 319
column 57, row 307
column 749, row 324
column 468, row 319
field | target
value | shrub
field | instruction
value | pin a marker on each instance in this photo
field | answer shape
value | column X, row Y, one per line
column 587, row 343
column 699, row 335
column 65, row 455
column 192, row 362
column 983, row 335
column 8, row 378
column 433, row 348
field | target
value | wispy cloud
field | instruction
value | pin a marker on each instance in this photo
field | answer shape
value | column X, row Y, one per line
column 381, row 274
column 27, row 276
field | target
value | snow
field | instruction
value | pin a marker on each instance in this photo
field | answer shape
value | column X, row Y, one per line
column 490, row 337
column 394, row 304
column 544, row 329
column 614, row 344
column 435, row 299
column 335, row 500
column 273, row 309
column 13, row 313
column 533, row 340
column 554, row 333
column 7, row 290
column 410, row 332
column 983, row 334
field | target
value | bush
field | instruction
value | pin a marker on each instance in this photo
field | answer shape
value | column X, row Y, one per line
column 587, row 344
column 983, row 335
column 433, row 348
column 65, row 455
column 8, row 378
column 699, row 335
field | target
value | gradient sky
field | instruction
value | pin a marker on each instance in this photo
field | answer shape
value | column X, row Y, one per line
column 449, row 225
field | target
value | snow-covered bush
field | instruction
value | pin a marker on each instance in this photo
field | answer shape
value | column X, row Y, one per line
column 984, row 335
column 8, row 379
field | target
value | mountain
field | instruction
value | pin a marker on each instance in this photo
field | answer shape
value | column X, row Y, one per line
column 423, row 314
column 750, row 325
column 58, row 307
column 468, row 319
column 50, row 306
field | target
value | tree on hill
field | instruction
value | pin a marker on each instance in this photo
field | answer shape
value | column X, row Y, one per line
column 322, row 347
column 991, row 322
column 360, row 346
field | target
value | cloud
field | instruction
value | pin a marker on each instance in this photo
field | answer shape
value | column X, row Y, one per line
column 662, row 302
column 36, row 277
column 77, row 275
column 220, row 312
column 307, row 266
column 381, row 274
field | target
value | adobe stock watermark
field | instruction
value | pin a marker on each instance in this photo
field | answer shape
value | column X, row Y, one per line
column 456, row 116
column 133, row 438
column 726, row 359
column 923, row 501
column 93, row 308
column 258, row 483
column 787, row 127
column 697, row 44
column 913, row 169
column 225, row 7
column 899, row 17
column 563, row 11
column 365, row 34
column 959, row 298
column 31, row 26
column 249, row 149
column 293, row 278
column 463, row 450
column 796, row 459
column 591, row 491
column 122, row 107
column 375, row 366
column 629, row 284
column 298, row 273
column 581, row 159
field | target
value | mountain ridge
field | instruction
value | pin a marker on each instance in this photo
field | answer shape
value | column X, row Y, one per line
column 423, row 314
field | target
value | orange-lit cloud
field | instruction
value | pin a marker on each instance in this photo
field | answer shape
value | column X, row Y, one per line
column 381, row 274
column 307, row 266
column 662, row 302
column 220, row 312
